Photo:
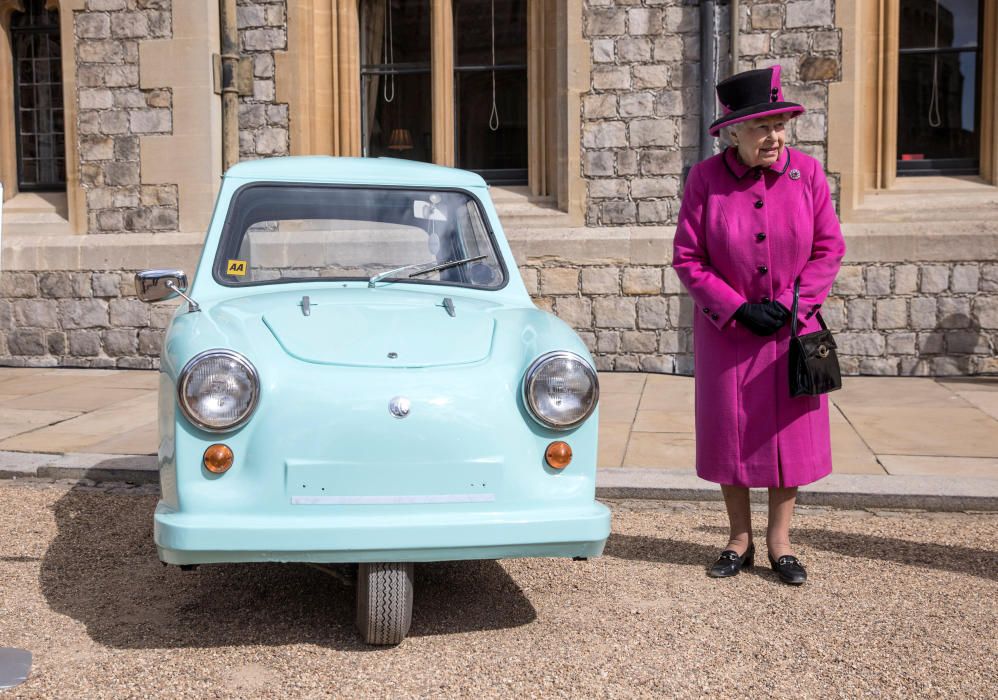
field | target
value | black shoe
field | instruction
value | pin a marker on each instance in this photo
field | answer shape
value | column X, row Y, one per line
column 789, row 569
column 729, row 563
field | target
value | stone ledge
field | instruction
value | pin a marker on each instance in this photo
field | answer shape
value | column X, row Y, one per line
column 623, row 245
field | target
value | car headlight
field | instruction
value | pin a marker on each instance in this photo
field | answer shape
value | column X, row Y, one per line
column 560, row 390
column 218, row 390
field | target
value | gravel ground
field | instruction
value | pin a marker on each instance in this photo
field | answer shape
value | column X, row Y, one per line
column 900, row 604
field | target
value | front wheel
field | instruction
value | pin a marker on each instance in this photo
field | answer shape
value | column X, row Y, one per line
column 384, row 602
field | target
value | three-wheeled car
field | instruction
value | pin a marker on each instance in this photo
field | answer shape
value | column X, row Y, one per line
column 357, row 374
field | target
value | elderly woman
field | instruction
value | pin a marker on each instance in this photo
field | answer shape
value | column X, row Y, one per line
column 755, row 218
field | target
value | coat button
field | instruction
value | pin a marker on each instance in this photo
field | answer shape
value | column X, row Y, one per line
column 761, row 236
column 763, row 269
column 765, row 300
column 714, row 316
column 706, row 310
column 758, row 204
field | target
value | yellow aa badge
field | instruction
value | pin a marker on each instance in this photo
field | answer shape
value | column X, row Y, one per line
column 236, row 267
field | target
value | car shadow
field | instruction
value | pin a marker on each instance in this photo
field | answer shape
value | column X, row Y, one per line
column 102, row 570
column 659, row 550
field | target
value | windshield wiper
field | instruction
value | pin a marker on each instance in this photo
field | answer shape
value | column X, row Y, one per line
column 422, row 268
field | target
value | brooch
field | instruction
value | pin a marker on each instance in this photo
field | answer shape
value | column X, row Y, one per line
column 795, row 174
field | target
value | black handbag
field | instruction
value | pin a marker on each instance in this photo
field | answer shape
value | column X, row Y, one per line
column 814, row 366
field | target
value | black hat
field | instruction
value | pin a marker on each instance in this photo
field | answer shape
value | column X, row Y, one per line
column 750, row 95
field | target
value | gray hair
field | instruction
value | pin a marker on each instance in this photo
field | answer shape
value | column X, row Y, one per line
column 725, row 134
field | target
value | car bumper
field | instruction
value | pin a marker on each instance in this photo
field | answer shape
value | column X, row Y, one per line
column 353, row 536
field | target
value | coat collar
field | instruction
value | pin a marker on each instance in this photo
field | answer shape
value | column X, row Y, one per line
column 739, row 170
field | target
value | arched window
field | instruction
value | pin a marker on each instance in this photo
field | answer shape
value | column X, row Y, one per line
column 38, row 105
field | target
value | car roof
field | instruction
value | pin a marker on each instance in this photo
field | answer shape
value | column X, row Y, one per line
column 334, row 169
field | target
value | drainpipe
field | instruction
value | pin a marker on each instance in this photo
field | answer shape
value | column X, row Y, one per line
column 230, row 90
column 708, row 77
column 733, row 36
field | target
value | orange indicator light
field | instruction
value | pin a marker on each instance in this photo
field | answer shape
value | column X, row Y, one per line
column 558, row 455
column 218, row 459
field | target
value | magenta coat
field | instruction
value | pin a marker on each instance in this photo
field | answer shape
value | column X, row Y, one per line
column 744, row 234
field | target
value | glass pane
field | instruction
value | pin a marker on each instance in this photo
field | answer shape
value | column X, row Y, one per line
column 401, row 36
column 402, row 127
column 478, row 146
column 473, row 32
column 957, row 23
column 947, row 129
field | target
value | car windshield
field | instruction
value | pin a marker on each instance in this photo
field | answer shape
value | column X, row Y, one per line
column 292, row 233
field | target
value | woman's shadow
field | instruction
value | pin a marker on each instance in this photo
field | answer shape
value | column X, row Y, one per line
column 102, row 570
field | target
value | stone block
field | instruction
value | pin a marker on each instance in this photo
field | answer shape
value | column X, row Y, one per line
column 277, row 115
column 653, row 313
column 669, row 342
column 530, row 280
column 604, row 134
column 931, row 342
column 916, row 367
column 879, row 366
column 600, row 280
column 93, row 25
column 252, row 115
column 639, row 341
column 544, row 304
column 905, row 279
column 768, row 16
column 56, row 285
column 611, row 78
column 608, row 188
column 105, row 5
column 849, row 281
column 935, row 279
column 604, row 363
column 985, row 311
column 833, row 311
column 618, row 212
column 637, row 104
column 669, row 49
column 275, row 15
column 681, row 311
column 967, row 342
column 861, row 343
column 121, row 173
column 953, row 312
column 950, row 366
column 892, row 313
column 272, row 141
column 652, row 75
column 106, row 284
column 114, row 122
column 642, row 280
column 56, row 342
column 150, row 341
column 96, row 148
column 575, row 311
column 860, row 313
column 250, row 16
column 614, row 312
column 600, row 106
column 878, row 281
column 122, row 76
column 6, row 315
column 634, row 50
column 36, row 313
column 264, row 90
column 989, row 277
column 923, row 312
column 150, row 121
column 263, row 66
column 83, row 313
column 101, row 52
column 661, row 162
column 654, row 212
column 89, row 122
column 681, row 19
column 810, row 126
column 826, row 41
column 812, row 95
column 119, row 342
column 670, row 282
column 670, row 103
column 809, row 13
column 27, row 341
column 129, row 25
column 559, row 280
column 667, row 186
column 642, row 21
column 269, row 39
column 96, row 98
column 126, row 148
column 607, row 341
column 814, row 68
column 589, row 338
column 627, row 162
column 626, row 363
column 18, row 284
column 603, row 51
column 608, row 22
column 753, row 44
column 901, row 343
column 111, row 220
column 597, row 163
column 161, row 314
column 126, row 198
column 965, row 279
column 129, row 312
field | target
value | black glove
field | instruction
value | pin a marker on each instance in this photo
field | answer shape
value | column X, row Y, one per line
column 763, row 319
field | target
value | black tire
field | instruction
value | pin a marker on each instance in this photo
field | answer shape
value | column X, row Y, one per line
column 384, row 602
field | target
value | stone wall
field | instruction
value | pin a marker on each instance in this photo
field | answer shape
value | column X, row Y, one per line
column 115, row 112
column 641, row 117
column 889, row 319
column 263, row 123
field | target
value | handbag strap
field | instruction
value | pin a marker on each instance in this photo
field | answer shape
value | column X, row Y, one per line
column 793, row 312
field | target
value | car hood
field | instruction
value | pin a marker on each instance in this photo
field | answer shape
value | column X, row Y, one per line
column 382, row 330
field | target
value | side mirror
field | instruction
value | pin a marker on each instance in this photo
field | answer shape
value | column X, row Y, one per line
column 157, row 285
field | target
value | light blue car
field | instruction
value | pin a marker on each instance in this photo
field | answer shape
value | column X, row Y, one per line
column 359, row 375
